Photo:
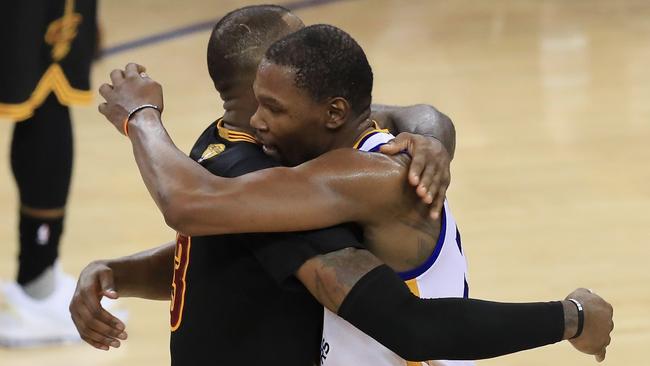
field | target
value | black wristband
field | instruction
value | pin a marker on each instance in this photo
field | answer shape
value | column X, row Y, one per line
column 581, row 317
column 141, row 107
column 125, row 124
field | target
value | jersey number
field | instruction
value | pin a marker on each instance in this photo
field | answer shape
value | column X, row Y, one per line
column 181, row 262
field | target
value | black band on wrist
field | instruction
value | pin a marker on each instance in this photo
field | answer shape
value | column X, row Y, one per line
column 125, row 124
column 581, row 317
column 141, row 107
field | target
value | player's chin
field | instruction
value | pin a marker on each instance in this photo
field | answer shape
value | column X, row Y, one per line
column 272, row 152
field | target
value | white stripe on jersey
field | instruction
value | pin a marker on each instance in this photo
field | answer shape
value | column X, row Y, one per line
column 444, row 274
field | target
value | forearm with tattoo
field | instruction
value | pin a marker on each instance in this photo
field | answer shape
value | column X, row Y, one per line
column 330, row 277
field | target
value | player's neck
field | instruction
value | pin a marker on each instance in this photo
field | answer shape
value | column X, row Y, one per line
column 238, row 121
column 352, row 131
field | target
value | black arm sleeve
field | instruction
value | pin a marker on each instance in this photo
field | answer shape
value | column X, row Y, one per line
column 282, row 254
column 417, row 329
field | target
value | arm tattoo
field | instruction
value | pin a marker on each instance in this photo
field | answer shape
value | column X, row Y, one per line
column 424, row 250
column 338, row 272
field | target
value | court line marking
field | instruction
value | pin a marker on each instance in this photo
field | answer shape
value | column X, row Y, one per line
column 195, row 28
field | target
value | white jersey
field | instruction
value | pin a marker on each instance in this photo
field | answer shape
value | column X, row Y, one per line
column 443, row 274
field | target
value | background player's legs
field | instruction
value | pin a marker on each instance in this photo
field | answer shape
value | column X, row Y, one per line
column 36, row 307
column 41, row 160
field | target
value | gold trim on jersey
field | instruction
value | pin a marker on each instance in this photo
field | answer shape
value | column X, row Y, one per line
column 53, row 80
column 234, row 136
column 375, row 129
column 413, row 286
column 60, row 34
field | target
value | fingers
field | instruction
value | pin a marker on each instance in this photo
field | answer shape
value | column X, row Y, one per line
column 105, row 90
column 393, row 147
column 111, row 294
column 438, row 202
column 418, row 159
column 107, row 285
column 103, row 108
column 428, row 181
column 91, row 331
column 133, row 69
column 117, row 76
column 433, row 188
column 101, row 319
column 417, row 169
column 99, row 341
column 95, row 344
column 424, row 194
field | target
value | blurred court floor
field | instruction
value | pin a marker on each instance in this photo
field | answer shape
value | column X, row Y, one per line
column 551, row 101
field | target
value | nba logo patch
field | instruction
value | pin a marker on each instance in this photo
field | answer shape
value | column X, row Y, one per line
column 212, row 151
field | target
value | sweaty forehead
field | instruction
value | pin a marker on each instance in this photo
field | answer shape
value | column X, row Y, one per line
column 274, row 77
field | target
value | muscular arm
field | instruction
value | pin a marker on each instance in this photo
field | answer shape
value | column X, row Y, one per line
column 147, row 274
column 326, row 191
column 419, row 119
column 355, row 284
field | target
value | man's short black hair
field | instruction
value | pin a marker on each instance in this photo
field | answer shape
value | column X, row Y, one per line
column 240, row 38
column 328, row 63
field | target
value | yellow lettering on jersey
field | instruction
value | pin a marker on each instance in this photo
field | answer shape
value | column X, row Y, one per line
column 179, row 284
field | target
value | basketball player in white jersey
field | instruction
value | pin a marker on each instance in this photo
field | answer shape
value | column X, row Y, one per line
column 313, row 100
column 443, row 274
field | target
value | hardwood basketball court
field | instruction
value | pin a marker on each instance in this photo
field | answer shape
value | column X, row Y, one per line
column 551, row 101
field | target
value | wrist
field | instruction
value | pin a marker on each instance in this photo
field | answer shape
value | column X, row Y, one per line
column 570, row 319
column 143, row 119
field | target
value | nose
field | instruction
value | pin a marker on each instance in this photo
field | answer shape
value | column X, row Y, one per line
column 257, row 122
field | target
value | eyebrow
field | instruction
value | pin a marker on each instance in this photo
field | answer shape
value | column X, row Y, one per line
column 269, row 100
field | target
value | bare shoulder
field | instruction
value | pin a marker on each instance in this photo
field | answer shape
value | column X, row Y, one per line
column 369, row 181
column 353, row 160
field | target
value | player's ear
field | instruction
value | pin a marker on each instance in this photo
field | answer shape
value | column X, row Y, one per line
column 338, row 110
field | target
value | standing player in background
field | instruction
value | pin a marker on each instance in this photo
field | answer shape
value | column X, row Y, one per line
column 48, row 46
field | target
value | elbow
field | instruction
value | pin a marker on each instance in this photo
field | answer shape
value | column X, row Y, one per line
column 174, row 218
column 437, row 116
column 188, row 214
column 175, row 213
column 445, row 129
column 179, row 221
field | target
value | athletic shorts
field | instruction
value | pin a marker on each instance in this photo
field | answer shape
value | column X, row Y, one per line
column 47, row 46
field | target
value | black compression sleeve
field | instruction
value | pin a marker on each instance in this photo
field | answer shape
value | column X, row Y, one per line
column 417, row 329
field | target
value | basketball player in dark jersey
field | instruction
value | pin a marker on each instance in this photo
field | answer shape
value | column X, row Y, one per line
column 515, row 313
column 218, row 279
column 48, row 46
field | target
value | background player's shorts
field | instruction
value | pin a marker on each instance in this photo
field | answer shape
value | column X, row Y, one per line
column 47, row 45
